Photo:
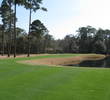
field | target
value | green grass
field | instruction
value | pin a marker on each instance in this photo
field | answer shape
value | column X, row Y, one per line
column 27, row 82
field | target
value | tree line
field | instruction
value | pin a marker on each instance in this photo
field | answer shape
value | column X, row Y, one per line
column 8, row 27
column 87, row 40
column 15, row 40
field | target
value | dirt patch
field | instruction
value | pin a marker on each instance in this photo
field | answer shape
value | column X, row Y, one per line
column 63, row 61
column 21, row 56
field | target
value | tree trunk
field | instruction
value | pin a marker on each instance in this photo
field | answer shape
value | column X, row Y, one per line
column 3, row 42
column 9, row 34
column 15, row 30
column 29, row 31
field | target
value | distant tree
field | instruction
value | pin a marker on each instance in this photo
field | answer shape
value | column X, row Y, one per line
column 7, row 19
column 2, row 39
column 69, row 44
column 47, row 45
column 107, row 40
column 85, row 36
column 99, row 42
column 99, row 47
column 10, row 26
column 33, row 5
column 37, row 31
column 21, row 40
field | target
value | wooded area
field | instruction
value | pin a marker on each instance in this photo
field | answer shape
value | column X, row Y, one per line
column 15, row 40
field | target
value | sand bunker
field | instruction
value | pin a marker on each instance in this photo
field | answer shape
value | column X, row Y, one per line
column 63, row 61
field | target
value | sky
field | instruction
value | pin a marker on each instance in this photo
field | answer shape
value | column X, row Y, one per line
column 66, row 16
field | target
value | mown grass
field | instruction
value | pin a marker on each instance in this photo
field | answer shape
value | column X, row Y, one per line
column 32, row 82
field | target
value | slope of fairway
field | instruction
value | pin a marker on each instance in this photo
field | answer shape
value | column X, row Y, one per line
column 33, row 82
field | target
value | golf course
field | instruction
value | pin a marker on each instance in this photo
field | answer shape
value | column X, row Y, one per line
column 21, row 81
column 54, row 50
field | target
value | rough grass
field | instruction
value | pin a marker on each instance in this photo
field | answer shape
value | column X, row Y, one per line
column 27, row 82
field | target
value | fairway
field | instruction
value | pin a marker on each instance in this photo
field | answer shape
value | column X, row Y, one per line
column 42, row 82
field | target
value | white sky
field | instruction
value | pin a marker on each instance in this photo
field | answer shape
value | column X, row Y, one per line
column 84, row 12
column 95, row 13
column 66, row 16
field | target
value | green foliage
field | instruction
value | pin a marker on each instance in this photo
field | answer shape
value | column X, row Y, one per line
column 87, row 40
column 34, row 5
column 38, row 29
column 12, row 35
column 85, row 35
column 99, row 47
column 6, row 16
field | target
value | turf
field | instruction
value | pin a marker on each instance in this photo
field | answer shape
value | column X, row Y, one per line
column 30, row 82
